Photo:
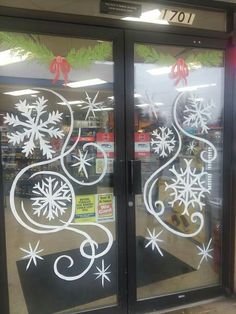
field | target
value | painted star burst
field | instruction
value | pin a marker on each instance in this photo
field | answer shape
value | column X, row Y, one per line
column 92, row 105
column 153, row 239
column 103, row 273
column 205, row 252
column 32, row 254
column 83, row 161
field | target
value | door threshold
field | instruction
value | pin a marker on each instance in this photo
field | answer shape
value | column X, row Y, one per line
column 185, row 306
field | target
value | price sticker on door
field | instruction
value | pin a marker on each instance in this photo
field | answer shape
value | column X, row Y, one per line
column 176, row 16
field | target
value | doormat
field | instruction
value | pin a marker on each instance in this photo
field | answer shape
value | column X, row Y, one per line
column 45, row 293
column 152, row 267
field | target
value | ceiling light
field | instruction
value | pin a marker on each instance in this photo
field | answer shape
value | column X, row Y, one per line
column 159, row 71
column 146, row 105
column 135, row 95
column 151, row 16
column 91, row 82
column 72, row 102
column 195, row 87
column 22, row 92
column 104, row 62
column 10, row 56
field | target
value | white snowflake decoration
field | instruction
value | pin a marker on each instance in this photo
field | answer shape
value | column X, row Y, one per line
column 188, row 187
column 83, row 161
column 34, row 125
column 150, row 106
column 205, row 252
column 103, row 273
column 163, row 141
column 32, row 254
column 51, row 198
column 92, row 105
column 153, row 239
column 198, row 113
column 191, row 148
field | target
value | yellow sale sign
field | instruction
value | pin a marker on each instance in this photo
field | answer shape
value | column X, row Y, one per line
column 85, row 208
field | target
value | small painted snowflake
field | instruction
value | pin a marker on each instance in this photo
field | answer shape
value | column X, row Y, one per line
column 188, row 187
column 191, row 148
column 150, row 107
column 163, row 141
column 198, row 113
column 52, row 196
column 34, row 125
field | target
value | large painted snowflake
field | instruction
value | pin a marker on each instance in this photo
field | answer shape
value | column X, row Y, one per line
column 197, row 113
column 52, row 196
column 33, row 126
column 188, row 187
column 163, row 141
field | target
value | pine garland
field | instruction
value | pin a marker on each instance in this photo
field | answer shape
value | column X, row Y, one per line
column 86, row 56
column 25, row 44
column 207, row 58
column 149, row 54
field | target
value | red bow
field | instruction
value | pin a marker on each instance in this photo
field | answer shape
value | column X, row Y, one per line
column 60, row 65
column 179, row 71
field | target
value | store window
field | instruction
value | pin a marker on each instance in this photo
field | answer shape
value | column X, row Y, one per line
column 58, row 149
column 179, row 143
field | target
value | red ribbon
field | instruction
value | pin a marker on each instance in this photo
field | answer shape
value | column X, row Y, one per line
column 60, row 65
column 179, row 71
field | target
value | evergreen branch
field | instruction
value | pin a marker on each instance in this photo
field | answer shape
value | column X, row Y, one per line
column 149, row 54
column 206, row 58
column 23, row 44
column 85, row 56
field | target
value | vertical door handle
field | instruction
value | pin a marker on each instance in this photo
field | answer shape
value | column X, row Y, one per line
column 134, row 177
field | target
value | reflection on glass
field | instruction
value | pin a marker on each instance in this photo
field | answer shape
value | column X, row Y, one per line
column 178, row 140
column 57, row 142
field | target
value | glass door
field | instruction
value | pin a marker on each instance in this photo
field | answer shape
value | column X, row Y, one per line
column 59, row 144
column 177, row 166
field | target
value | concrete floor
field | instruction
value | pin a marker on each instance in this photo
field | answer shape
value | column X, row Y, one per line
column 216, row 306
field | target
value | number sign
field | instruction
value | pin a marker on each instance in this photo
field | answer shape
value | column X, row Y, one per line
column 176, row 16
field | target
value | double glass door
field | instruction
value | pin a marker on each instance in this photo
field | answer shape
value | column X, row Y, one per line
column 91, row 177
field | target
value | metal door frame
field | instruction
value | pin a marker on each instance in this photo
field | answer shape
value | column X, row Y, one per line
column 228, row 224
column 23, row 20
column 19, row 24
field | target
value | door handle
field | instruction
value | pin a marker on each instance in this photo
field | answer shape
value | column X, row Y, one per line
column 134, row 177
column 118, row 168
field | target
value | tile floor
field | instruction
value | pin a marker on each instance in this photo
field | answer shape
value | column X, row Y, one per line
column 216, row 306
